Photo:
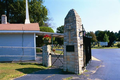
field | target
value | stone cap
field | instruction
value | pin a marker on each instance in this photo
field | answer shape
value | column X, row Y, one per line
column 72, row 16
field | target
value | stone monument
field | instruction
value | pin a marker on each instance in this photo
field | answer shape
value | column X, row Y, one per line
column 73, row 43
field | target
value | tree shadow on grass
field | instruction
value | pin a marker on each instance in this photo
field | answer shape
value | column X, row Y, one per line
column 29, row 70
column 42, row 71
column 30, row 64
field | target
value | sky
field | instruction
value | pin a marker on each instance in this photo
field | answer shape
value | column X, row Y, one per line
column 95, row 14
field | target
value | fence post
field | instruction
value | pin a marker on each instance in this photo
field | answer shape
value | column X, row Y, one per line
column 46, row 57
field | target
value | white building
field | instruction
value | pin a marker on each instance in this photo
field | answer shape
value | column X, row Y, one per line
column 18, row 41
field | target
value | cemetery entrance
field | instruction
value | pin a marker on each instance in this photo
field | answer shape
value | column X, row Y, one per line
column 77, row 47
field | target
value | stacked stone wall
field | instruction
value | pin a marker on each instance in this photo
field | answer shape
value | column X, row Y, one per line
column 73, row 60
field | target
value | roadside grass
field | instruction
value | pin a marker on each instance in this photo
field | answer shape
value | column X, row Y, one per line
column 58, row 52
column 68, row 78
column 9, row 71
column 86, row 71
column 57, row 47
column 104, row 47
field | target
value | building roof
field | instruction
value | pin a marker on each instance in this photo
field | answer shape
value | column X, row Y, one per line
column 60, row 35
column 25, row 28
column 20, row 27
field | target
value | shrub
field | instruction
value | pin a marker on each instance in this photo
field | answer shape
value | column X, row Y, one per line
column 46, row 29
column 118, row 45
column 38, row 50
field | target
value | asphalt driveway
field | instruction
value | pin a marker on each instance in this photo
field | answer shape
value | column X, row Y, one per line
column 105, row 67
column 110, row 68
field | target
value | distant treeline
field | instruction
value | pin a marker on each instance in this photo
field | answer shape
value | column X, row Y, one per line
column 105, row 36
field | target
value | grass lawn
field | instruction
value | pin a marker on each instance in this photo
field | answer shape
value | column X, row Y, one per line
column 105, row 48
column 58, row 52
column 9, row 71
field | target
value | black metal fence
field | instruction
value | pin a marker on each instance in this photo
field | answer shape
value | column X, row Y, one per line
column 86, row 50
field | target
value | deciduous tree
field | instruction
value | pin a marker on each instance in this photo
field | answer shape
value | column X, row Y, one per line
column 93, row 39
column 60, row 29
column 15, row 11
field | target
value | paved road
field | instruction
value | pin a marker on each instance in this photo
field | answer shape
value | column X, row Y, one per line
column 110, row 69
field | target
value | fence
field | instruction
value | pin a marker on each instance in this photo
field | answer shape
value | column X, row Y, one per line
column 14, row 53
column 86, row 50
column 57, row 58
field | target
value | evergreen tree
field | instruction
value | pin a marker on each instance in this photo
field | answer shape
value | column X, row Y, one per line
column 106, row 38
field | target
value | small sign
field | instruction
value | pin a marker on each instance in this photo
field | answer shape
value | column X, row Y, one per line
column 69, row 48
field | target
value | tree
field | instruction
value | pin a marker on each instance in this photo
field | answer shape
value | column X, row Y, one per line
column 59, row 41
column 118, row 35
column 106, row 38
column 100, row 36
column 112, row 38
column 38, row 12
column 97, row 32
column 46, row 29
column 5, row 7
column 16, row 11
column 60, row 29
column 94, row 39
column 119, row 38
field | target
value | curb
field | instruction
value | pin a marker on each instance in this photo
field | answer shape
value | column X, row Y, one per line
column 91, row 68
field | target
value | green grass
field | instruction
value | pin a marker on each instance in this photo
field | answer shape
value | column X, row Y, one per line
column 58, row 52
column 57, row 47
column 97, row 66
column 105, row 48
column 86, row 70
column 100, row 47
column 79, row 74
column 9, row 71
column 68, row 78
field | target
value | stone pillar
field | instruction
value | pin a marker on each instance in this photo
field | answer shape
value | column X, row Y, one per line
column 73, row 43
column 46, row 57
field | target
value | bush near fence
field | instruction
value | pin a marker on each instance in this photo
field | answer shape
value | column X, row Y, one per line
column 118, row 45
column 38, row 50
